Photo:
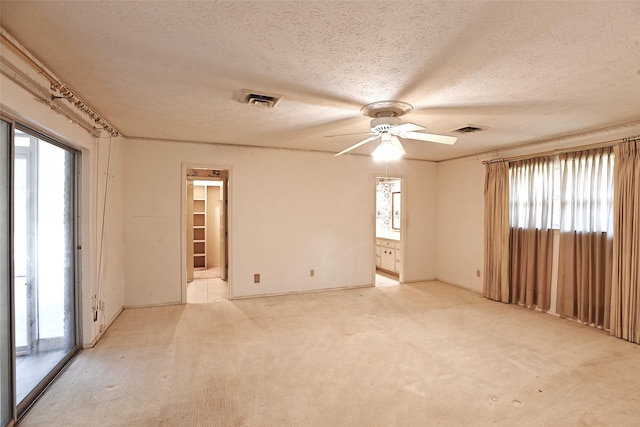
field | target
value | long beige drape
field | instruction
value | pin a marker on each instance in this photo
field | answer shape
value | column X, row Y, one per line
column 496, row 232
column 586, row 236
column 531, row 267
column 531, row 193
column 625, row 290
column 584, row 277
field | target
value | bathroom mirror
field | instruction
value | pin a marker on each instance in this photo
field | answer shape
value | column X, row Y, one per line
column 395, row 210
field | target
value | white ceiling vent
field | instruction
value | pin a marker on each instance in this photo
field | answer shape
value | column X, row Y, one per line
column 468, row 129
column 260, row 99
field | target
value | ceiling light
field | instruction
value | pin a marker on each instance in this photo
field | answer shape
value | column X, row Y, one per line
column 389, row 148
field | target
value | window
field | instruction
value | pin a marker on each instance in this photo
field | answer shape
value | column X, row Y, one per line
column 587, row 191
column 534, row 193
column 572, row 192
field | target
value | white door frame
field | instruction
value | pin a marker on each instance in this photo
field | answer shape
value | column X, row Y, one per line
column 403, row 223
column 183, row 225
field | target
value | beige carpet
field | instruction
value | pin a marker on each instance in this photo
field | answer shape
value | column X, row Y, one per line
column 425, row 354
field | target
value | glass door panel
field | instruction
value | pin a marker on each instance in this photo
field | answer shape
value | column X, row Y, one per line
column 6, row 364
column 20, row 211
column 44, row 273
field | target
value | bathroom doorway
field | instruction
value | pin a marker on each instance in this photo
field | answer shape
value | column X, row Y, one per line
column 207, row 265
column 389, row 260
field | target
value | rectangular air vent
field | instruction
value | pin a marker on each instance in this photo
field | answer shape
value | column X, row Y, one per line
column 467, row 129
column 260, row 99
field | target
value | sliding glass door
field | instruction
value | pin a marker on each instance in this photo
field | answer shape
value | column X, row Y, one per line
column 44, row 262
column 6, row 365
column 38, row 333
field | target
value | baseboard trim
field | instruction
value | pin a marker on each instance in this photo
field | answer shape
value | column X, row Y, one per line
column 164, row 304
column 418, row 281
column 311, row 291
column 100, row 334
column 457, row 285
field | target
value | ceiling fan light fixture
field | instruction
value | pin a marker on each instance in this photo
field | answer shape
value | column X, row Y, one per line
column 387, row 126
column 389, row 149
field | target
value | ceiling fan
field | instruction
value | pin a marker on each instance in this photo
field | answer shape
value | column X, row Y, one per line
column 387, row 126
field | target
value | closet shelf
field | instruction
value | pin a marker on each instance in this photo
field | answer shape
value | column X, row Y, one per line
column 199, row 227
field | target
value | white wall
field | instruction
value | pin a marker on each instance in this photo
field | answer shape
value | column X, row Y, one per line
column 460, row 219
column 213, row 226
column 109, row 284
column 21, row 105
column 289, row 212
column 418, row 232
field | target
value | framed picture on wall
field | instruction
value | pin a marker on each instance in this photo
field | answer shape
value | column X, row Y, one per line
column 395, row 210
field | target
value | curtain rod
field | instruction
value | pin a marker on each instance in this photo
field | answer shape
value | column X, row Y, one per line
column 26, row 58
column 563, row 150
column 57, row 86
column 39, row 97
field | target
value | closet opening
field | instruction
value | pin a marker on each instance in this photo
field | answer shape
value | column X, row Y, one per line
column 388, row 231
column 207, row 263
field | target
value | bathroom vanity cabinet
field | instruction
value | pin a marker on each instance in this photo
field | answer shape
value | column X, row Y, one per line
column 388, row 255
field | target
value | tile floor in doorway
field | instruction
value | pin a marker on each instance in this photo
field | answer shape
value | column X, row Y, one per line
column 384, row 279
column 206, row 287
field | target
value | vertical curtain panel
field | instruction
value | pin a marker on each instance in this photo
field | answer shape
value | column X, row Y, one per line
column 584, row 283
column 496, row 232
column 531, row 267
column 625, row 291
column 586, row 236
column 531, row 191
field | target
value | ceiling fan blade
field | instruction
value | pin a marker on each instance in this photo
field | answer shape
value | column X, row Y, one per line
column 353, row 147
column 430, row 137
column 405, row 127
column 349, row 134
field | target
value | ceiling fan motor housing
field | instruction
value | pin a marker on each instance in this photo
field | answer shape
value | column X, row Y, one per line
column 383, row 124
column 386, row 109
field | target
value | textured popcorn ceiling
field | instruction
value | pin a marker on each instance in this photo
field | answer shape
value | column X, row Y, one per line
column 527, row 71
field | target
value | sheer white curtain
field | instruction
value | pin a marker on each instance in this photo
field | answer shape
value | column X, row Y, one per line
column 625, row 292
column 586, row 236
column 496, row 232
column 531, row 195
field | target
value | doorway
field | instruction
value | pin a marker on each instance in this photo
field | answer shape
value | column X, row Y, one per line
column 388, row 214
column 206, row 235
